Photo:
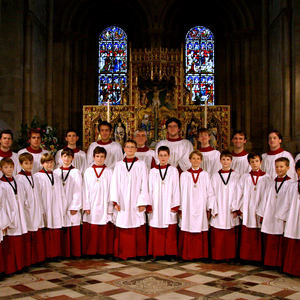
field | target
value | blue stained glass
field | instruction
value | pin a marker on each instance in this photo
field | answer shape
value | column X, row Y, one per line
column 112, row 65
column 199, row 64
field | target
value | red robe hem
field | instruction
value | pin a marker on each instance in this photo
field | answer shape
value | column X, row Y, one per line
column 291, row 262
column 163, row 241
column 272, row 249
column 193, row 245
column 97, row 239
column 250, row 244
column 130, row 242
column 223, row 243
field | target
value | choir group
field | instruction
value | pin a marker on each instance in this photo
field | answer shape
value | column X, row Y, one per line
column 174, row 202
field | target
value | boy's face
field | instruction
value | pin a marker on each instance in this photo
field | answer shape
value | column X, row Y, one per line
column 298, row 173
column 140, row 138
column 255, row 163
column 204, row 138
column 195, row 161
column 130, row 150
column 173, row 129
column 48, row 165
column 6, row 140
column 105, row 132
column 239, row 140
column 27, row 165
column 226, row 162
column 7, row 170
column 281, row 168
column 67, row 159
column 71, row 138
column 274, row 141
column 163, row 157
column 35, row 140
column 99, row 159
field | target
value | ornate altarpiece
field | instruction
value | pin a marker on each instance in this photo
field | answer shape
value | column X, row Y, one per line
column 156, row 91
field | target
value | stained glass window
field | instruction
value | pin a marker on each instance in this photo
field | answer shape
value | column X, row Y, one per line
column 112, row 65
column 199, row 64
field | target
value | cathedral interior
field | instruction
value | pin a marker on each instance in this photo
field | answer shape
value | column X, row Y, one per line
column 49, row 58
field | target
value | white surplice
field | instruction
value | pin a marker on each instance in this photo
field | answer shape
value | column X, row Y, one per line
column 180, row 150
column 79, row 161
column 225, row 196
column 34, row 210
column 114, row 153
column 96, row 196
column 195, row 201
column 73, row 191
column 268, row 164
column 249, row 197
column 271, row 204
column 211, row 160
column 240, row 163
column 53, row 199
column 163, row 196
column 130, row 190
column 36, row 159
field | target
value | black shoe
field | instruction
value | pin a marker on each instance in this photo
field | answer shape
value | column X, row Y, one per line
column 116, row 259
column 141, row 258
column 153, row 259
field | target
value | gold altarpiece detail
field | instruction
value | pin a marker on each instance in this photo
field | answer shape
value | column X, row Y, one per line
column 156, row 91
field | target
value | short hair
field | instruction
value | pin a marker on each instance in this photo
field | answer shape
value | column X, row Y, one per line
column 68, row 152
column 177, row 121
column 278, row 133
column 6, row 131
column 297, row 165
column 46, row 157
column 34, row 130
column 226, row 153
column 25, row 156
column 105, row 123
column 71, row 130
column 131, row 141
column 140, row 130
column 240, row 132
column 99, row 150
column 163, row 148
column 196, row 152
column 254, row 154
column 283, row 159
column 6, row 160
column 203, row 130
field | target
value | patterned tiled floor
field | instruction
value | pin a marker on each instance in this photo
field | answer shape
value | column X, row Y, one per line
column 103, row 279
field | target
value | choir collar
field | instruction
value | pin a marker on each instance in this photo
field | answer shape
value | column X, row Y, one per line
column 25, row 173
column 43, row 171
column 10, row 179
column 243, row 153
column 96, row 167
column 67, row 169
column 104, row 143
column 31, row 150
column 130, row 160
column 162, row 167
column 257, row 173
column 270, row 152
column 142, row 149
column 8, row 153
column 191, row 170
column 281, row 178
column 206, row 149
column 225, row 171
column 174, row 140
column 75, row 150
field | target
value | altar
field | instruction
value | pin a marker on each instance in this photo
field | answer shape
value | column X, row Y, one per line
column 156, row 90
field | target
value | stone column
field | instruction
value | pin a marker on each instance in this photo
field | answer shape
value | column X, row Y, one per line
column 66, row 84
column 49, row 62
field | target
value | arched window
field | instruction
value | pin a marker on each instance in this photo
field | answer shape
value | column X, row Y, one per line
column 199, row 66
column 112, row 65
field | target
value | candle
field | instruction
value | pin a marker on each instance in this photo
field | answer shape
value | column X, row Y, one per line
column 205, row 114
column 108, row 112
